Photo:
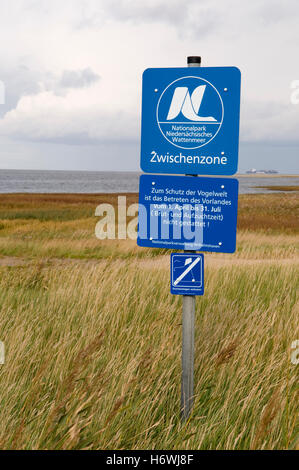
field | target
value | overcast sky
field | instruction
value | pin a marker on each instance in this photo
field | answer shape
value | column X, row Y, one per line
column 72, row 73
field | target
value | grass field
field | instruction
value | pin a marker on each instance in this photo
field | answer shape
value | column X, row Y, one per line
column 93, row 336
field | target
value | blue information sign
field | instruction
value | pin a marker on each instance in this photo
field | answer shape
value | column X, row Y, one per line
column 190, row 120
column 187, row 213
column 187, row 274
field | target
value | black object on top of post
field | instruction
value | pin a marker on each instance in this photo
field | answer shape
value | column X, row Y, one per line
column 193, row 60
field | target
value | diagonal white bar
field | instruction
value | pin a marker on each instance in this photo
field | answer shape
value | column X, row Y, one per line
column 186, row 271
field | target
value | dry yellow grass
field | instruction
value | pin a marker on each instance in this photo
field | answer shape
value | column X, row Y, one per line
column 93, row 341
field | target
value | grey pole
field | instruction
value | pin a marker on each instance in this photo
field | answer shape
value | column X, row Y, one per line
column 188, row 319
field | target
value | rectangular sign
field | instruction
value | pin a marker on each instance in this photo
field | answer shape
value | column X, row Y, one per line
column 187, row 274
column 188, row 213
column 190, row 120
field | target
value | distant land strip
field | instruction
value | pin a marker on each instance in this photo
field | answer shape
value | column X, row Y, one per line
column 280, row 188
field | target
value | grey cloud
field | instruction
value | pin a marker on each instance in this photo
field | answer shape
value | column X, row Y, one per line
column 272, row 11
column 78, row 127
column 19, row 81
column 188, row 17
column 25, row 80
column 191, row 18
column 78, row 78
column 170, row 12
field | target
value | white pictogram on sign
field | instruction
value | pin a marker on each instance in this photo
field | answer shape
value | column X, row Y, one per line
column 187, row 261
column 188, row 105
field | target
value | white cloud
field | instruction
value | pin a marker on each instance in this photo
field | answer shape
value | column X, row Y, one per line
column 70, row 118
column 73, row 69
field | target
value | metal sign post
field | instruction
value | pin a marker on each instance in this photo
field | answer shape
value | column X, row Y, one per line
column 188, row 322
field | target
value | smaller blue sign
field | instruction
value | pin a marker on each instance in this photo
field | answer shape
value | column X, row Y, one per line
column 187, row 274
column 186, row 213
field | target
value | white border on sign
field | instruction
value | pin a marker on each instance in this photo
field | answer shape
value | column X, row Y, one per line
column 158, row 122
column 189, row 255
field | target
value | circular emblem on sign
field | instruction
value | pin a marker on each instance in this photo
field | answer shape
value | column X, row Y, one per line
column 190, row 112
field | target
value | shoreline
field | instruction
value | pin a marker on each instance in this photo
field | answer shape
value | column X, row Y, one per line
column 47, row 184
column 270, row 190
column 261, row 175
column 237, row 175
